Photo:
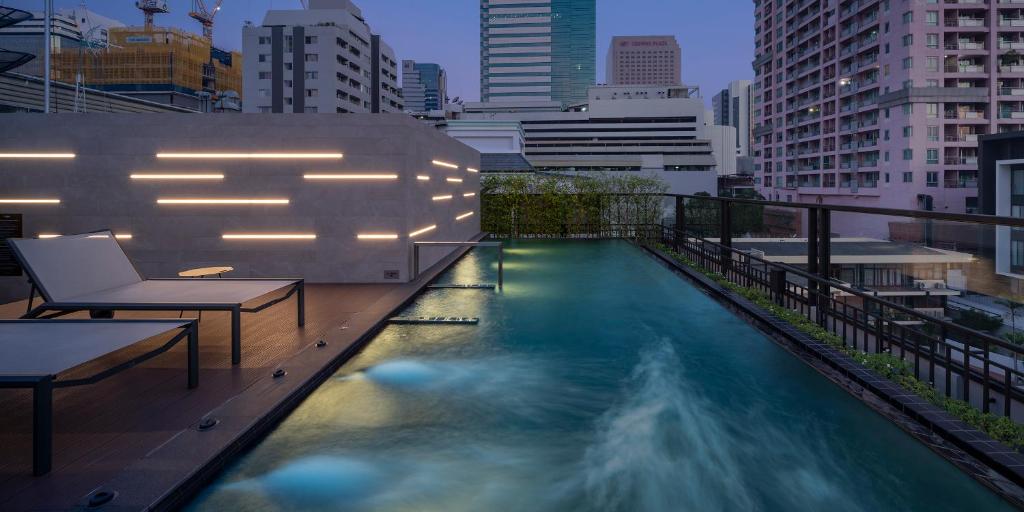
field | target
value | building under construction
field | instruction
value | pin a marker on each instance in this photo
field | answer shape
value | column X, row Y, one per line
column 160, row 64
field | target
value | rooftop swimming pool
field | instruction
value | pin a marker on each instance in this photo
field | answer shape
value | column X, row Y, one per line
column 597, row 380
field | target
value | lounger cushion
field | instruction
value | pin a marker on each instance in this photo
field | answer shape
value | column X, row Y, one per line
column 40, row 348
column 183, row 291
column 68, row 266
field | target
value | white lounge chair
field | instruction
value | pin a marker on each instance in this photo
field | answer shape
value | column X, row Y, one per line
column 34, row 354
column 91, row 272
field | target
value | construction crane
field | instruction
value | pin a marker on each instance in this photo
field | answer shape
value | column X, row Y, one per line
column 151, row 7
column 205, row 16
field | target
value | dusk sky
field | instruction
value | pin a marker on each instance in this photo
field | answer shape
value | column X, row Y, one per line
column 716, row 36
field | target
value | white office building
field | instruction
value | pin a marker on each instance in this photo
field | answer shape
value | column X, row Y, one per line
column 654, row 130
column 731, row 107
column 323, row 59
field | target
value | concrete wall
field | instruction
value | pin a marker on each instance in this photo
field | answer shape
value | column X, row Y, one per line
column 95, row 190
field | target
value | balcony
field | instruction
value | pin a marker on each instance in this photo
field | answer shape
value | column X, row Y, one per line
column 960, row 183
column 1011, row 22
column 961, row 160
column 965, row 22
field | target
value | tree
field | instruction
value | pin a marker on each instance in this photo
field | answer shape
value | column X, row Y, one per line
column 1013, row 306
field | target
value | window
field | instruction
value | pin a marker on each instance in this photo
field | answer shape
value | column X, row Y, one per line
column 932, row 110
column 933, row 134
column 265, row 75
column 309, row 110
column 931, row 64
column 908, row 177
column 932, row 179
column 312, row 75
column 908, row 131
column 908, row 62
column 908, row 40
column 310, row 39
column 312, row 57
column 1017, row 253
column 931, row 156
column 263, row 93
column 312, row 93
column 932, row 41
column 931, row 18
column 908, row 154
column 262, row 39
column 263, row 57
column 908, row 17
column 908, row 108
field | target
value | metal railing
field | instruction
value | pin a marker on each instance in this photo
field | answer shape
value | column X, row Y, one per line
column 955, row 360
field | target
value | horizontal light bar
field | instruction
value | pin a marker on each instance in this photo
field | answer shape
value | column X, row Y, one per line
column 239, row 156
column 441, row 198
column 469, row 194
column 464, row 215
column 377, row 236
column 421, row 231
column 222, row 201
column 54, row 235
column 37, row 155
column 470, row 169
column 444, row 164
column 268, row 236
column 182, row 176
column 454, row 180
column 350, row 176
column 423, row 178
column 29, row 201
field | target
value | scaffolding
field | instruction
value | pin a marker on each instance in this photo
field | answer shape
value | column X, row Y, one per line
column 160, row 58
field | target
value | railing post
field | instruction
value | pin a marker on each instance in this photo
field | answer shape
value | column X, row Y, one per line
column 680, row 229
column 824, row 263
column 812, row 256
column 778, row 284
column 725, row 234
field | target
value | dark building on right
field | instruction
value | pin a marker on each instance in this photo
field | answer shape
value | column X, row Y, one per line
column 1001, row 192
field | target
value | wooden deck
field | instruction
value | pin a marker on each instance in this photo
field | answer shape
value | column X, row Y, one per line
column 136, row 433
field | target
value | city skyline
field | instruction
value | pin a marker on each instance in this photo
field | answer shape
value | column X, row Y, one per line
column 691, row 22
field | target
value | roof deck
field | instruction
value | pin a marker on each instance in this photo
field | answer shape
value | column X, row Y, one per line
column 136, row 433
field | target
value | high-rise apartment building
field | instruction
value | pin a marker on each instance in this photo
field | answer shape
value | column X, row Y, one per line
column 424, row 86
column 731, row 107
column 537, row 50
column 881, row 102
column 644, row 60
column 321, row 59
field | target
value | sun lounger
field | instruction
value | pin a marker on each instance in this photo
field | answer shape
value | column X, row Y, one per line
column 35, row 353
column 91, row 272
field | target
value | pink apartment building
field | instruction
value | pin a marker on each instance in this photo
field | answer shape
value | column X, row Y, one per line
column 880, row 102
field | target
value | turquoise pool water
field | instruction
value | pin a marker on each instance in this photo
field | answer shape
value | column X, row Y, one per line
column 598, row 380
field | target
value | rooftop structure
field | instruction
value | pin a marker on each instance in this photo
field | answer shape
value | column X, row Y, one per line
column 73, row 29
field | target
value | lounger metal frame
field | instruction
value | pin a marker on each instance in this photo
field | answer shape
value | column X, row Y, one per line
column 42, row 386
column 236, row 310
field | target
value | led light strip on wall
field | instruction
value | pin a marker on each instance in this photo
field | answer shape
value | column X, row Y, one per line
column 441, row 198
column 470, row 169
column 37, row 155
column 377, row 236
column 223, row 201
column 176, row 176
column 28, row 201
column 422, row 177
column 367, row 177
column 439, row 163
column 464, row 215
column 421, row 231
column 242, row 156
column 453, row 180
column 120, row 236
column 469, row 194
column 268, row 236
